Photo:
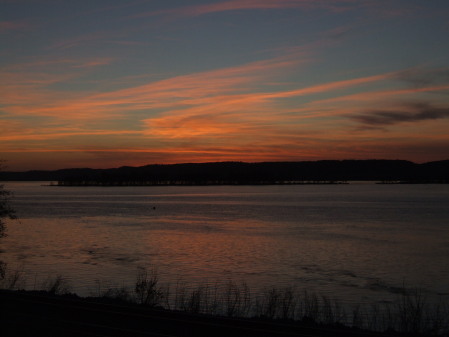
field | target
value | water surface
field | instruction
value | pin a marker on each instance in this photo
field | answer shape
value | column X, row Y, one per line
column 357, row 242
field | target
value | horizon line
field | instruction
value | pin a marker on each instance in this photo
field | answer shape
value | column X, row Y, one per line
column 225, row 161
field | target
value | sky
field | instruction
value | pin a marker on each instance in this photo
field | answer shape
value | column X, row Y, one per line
column 108, row 83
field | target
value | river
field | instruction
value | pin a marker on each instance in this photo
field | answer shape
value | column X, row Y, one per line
column 359, row 242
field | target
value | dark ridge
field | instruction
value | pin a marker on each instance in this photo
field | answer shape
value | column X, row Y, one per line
column 240, row 173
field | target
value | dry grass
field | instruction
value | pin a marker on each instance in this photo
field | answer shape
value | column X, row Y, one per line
column 411, row 314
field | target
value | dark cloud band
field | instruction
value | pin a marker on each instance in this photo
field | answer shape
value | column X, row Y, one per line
column 409, row 113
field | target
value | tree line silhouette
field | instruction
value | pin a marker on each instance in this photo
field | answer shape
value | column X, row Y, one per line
column 239, row 173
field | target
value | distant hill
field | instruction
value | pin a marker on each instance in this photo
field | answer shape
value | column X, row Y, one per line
column 230, row 173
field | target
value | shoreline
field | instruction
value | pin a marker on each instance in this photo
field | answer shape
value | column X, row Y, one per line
column 307, row 183
column 40, row 313
column 209, row 311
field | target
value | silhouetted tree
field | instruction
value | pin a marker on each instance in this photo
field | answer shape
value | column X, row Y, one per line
column 5, row 212
column 5, row 209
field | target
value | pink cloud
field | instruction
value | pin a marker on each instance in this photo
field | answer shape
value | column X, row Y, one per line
column 6, row 26
column 94, row 63
column 231, row 5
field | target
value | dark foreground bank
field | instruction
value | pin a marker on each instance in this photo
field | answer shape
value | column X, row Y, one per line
column 25, row 313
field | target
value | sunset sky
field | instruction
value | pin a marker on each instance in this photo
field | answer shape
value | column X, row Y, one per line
column 107, row 83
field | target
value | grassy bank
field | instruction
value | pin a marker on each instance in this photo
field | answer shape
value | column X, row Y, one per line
column 411, row 314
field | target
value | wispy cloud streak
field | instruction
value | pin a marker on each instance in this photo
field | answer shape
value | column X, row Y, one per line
column 232, row 5
column 7, row 26
column 179, row 91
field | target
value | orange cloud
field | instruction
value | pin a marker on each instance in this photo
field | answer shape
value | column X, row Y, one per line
column 236, row 114
column 16, row 133
column 24, row 86
column 195, row 105
column 183, row 90
column 301, row 148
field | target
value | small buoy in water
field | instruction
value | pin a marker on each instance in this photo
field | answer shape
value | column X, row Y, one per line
column 154, row 207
